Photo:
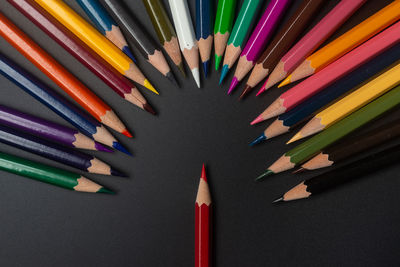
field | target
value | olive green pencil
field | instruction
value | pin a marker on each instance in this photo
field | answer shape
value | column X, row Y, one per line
column 314, row 145
column 48, row 174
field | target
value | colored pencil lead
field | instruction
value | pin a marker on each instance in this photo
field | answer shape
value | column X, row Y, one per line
column 262, row 90
column 149, row 86
column 105, row 191
column 246, row 90
column 285, row 81
column 217, row 61
column 298, row 136
column 259, row 139
column 170, row 76
column 205, row 67
column 280, row 199
column 182, row 69
column 127, row 133
column 225, row 70
column 234, row 82
column 149, row 109
column 257, row 120
column 265, row 174
column 129, row 53
column 203, row 173
column 118, row 173
column 299, row 170
column 119, row 147
column 102, row 148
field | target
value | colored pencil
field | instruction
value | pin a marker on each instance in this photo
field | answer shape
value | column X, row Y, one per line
column 350, row 103
column 137, row 35
column 165, row 31
column 332, row 73
column 48, row 174
column 58, row 74
column 315, row 144
column 282, row 42
column 258, row 39
column 222, row 27
column 240, row 33
column 187, row 40
column 64, row 155
column 303, row 111
column 47, row 96
column 204, row 30
column 346, row 42
column 312, row 40
column 95, row 40
column 47, row 130
column 203, row 216
column 347, row 173
column 106, row 25
column 121, row 85
column 353, row 146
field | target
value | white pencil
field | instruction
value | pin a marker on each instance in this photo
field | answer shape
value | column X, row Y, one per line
column 187, row 39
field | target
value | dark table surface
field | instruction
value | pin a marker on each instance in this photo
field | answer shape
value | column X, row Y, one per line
column 150, row 222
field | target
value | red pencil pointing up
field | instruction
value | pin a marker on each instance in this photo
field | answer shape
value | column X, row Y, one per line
column 203, row 223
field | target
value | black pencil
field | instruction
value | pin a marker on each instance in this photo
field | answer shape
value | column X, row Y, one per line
column 344, row 174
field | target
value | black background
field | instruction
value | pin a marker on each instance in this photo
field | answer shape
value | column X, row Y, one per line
column 150, row 222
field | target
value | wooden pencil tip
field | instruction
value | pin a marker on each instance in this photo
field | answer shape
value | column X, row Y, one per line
column 203, row 173
column 127, row 133
column 299, row 170
column 279, row 199
column 265, row 174
column 104, row 190
column 286, row 81
column 298, row 136
column 217, row 61
column 246, row 90
column 149, row 86
column 170, row 76
column 149, row 109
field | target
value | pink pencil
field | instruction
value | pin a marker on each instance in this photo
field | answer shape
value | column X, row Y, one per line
column 312, row 40
column 332, row 73
column 258, row 39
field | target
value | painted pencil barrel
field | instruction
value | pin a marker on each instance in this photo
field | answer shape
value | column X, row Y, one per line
column 224, row 17
column 98, row 15
column 204, row 19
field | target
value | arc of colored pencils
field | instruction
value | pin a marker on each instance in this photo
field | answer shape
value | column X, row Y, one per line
column 165, row 31
column 203, row 223
column 50, row 175
column 332, row 73
column 55, row 152
column 346, row 42
column 282, row 42
column 47, row 130
column 258, row 40
column 347, row 105
column 353, row 146
column 240, row 32
column 137, row 35
column 303, row 111
column 187, row 41
column 58, row 74
column 314, row 145
column 311, row 41
column 106, row 25
column 95, row 40
column 47, row 96
column 121, row 85
column 204, row 30
column 222, row 27
column 349, row 172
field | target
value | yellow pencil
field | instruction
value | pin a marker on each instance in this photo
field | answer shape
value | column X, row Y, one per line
column 95, row 40
column 352, row 102
column 346, row 42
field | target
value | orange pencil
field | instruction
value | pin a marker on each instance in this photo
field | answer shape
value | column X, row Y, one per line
column 58, row 74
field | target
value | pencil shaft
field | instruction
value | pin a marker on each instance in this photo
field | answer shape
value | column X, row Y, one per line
column 204, row 30
column 223, row 26
column 121, row 85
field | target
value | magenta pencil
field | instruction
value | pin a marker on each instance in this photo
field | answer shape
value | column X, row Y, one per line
column 259, row 39
column 312, row 40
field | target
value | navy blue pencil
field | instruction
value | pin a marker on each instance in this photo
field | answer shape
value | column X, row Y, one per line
column 287, row 121
column 47, row 96
column 64, row 155
column 204, row 31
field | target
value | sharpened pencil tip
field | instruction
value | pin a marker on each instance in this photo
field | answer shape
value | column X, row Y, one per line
column 234, row 82
column 285, row 81
column 298, row 136
column 119, row 147
column 299, row 170
column 104, row 190
column 127, row 133
column 224, row 72
column 149, row 86
column 259, row 139
column 149, row 109
column 118, row 173
column 260, row 91
column 217, row 61
column 196, row 76
column 280, row 199
column 257, row 120
column 100, row 147
column 205, row 67
column 170, row 76
column 129, row 53
column 203, row 173
column 182, row 69
column 246, row 90
column 265, row 174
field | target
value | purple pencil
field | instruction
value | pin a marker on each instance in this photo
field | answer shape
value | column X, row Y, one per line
column 47, row 130
column 258, row 39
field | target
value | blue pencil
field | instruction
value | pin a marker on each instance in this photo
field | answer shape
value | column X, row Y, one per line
column 301, row 113
column 106, row 24
column 204, row 31
column 47, row 96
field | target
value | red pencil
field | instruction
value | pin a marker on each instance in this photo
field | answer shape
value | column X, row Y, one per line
column 203, row 223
